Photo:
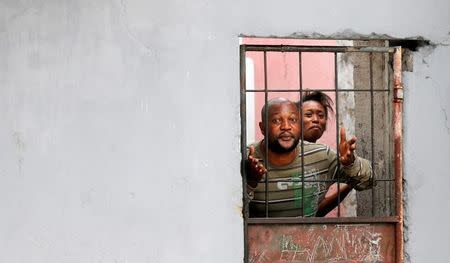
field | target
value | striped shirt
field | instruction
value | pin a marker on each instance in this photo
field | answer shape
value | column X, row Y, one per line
column 290, row 194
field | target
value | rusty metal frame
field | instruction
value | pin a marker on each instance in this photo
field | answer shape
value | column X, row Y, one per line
column 243, row 112
column 397, row 134
column 398, row 150
column 330, row 49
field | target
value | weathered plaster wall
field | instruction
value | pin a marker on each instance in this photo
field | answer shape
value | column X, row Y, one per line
column 427, row 155
column 120, row 124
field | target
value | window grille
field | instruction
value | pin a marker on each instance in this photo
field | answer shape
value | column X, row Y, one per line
column 374, row 103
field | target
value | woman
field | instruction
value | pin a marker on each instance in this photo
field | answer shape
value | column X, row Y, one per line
column 315, row 108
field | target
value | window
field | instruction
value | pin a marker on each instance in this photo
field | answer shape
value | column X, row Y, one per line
column 363, row 80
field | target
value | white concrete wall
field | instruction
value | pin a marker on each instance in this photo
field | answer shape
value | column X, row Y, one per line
column 120, row 124
column 427, row 155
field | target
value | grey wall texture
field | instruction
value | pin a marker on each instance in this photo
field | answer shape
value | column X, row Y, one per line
column 120, row 123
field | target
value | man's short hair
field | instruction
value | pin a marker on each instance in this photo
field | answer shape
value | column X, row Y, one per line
column 271, row 102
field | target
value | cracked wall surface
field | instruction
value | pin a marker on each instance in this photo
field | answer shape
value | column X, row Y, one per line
column 427, row 152
column 120, row 123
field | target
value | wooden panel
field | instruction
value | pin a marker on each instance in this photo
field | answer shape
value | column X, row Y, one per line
column 295, row 243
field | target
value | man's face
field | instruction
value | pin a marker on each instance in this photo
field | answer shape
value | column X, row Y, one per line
column 314, row 120
column 283, row 127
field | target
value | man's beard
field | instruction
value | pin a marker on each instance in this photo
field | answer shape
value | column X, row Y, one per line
column 276, row 147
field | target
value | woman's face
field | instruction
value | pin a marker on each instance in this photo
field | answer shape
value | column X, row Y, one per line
column 314, row 120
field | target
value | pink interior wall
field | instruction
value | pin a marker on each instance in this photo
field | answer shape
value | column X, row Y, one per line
column 283, row 73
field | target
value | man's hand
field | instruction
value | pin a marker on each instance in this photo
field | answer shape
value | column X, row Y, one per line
column 346, row 149
column 255, row 169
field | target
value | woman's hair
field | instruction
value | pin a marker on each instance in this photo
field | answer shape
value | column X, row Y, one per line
column 321, row 98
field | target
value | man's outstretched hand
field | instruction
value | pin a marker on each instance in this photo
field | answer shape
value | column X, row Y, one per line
column 346, row 149
column 255, row 169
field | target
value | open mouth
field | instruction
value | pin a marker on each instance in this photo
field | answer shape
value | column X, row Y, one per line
column 286, row 137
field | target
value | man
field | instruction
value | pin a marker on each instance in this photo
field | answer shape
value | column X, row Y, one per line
column 293, row 188
column 315, row 108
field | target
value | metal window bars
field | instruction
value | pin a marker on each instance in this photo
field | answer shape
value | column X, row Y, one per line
column 392, row 101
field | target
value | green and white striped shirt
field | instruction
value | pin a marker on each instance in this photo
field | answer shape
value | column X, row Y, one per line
column 290, row 194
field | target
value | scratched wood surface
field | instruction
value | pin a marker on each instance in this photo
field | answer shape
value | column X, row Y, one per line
column 321, row 243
